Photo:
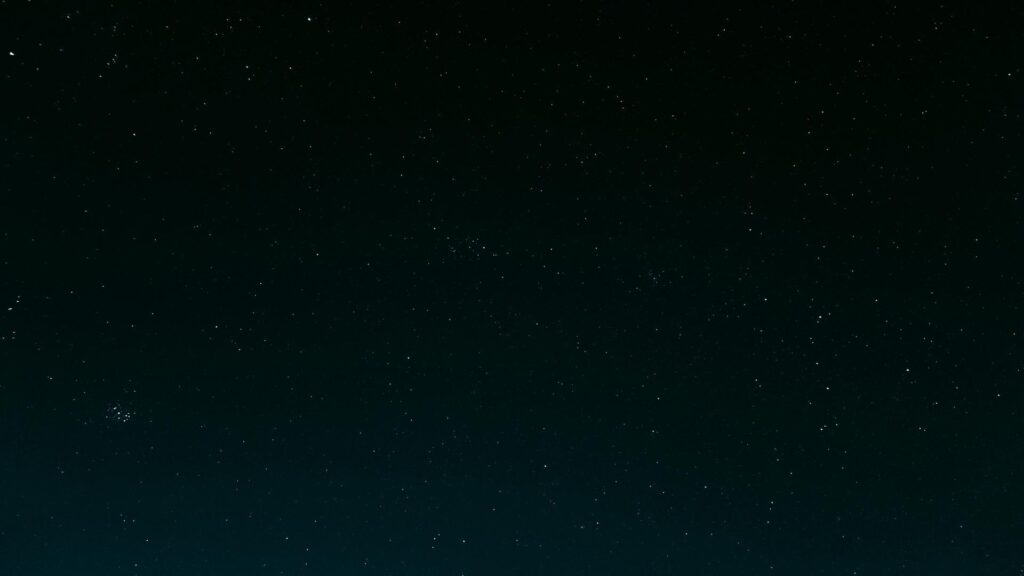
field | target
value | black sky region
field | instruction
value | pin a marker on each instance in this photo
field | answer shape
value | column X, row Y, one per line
column 583, row 288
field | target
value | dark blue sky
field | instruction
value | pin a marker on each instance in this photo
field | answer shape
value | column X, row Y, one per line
column 595, row 289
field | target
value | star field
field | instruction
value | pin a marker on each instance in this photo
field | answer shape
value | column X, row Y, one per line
column 582, row 288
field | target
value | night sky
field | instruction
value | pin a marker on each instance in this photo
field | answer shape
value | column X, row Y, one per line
column 483, row 289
